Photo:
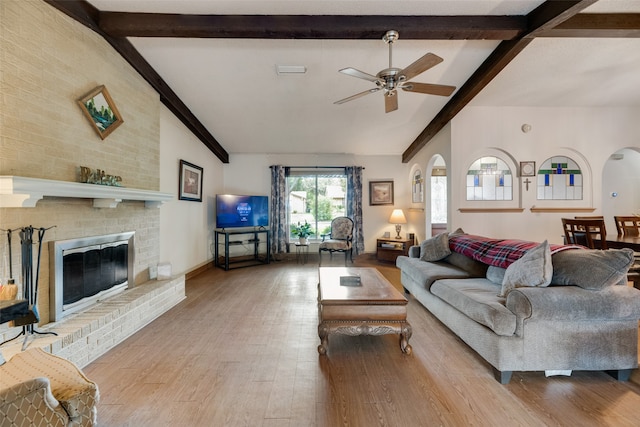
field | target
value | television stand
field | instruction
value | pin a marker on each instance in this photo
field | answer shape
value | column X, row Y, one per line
column 257, row 243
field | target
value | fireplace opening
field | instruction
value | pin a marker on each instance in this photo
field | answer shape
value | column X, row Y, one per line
column 87, row 270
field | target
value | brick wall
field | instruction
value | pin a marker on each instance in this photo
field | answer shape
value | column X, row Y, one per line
column 47, row 62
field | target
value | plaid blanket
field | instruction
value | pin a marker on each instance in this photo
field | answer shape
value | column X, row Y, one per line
column 497, row 252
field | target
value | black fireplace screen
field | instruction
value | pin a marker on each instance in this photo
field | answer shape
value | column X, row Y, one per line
column 91, row 270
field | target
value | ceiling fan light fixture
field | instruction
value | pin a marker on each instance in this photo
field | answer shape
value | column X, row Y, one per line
column 390, row 79
column 291, row 69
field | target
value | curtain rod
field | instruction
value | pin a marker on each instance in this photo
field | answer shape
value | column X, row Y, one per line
column 319, row 167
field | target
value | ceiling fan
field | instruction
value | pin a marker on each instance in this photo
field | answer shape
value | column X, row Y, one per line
column 391, row 79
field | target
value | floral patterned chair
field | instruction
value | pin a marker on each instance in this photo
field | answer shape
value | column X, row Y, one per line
column 340, row 239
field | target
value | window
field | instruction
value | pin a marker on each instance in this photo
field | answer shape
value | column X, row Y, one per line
column 417, row 187
column 489, row 178
column 559, row 178
column 317, row 198
column 439, row 195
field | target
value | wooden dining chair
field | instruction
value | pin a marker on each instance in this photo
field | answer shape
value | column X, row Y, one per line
column 604, row 229
column 628, row 225
column 586, row 232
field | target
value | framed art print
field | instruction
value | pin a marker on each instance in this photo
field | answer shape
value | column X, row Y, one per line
column 527, row 168
column 380, row 193
column 101, row 111
column 190, row 185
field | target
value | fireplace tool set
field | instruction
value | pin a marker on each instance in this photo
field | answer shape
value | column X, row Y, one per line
column 29, row 281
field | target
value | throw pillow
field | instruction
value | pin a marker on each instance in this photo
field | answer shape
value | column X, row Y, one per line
column 533, row 269
column 496, row 274
column 435, row 248
column 457, row 232
column 591, row 268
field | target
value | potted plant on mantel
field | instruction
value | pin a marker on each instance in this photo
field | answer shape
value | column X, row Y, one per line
column 302, row 232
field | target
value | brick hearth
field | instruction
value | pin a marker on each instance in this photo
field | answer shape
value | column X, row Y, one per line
column 85, row 336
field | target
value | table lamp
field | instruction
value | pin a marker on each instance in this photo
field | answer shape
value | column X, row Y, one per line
column 397, row 218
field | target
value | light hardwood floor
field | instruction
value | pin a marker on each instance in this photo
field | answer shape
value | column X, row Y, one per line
column 241, row 350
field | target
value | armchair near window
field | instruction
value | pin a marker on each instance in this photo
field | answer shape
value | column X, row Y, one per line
column 340, row 239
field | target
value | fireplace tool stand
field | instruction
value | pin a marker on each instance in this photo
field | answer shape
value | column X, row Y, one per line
column 29, row 285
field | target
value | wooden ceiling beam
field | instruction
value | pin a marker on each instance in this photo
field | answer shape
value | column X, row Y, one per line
column 554, row 18
column 122, row 24
column 87, row 15
column 598, row 25
column 548, row 15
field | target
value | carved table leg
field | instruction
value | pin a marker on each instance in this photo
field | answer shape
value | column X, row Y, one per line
column 405, row 334
column 323, row 333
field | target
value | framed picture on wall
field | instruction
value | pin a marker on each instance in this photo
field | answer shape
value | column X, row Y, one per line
column 380, row 193
column 190, row 185
column 527, row 168
column 101, row 111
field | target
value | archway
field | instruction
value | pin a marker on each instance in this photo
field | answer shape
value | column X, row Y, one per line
column 620, row 183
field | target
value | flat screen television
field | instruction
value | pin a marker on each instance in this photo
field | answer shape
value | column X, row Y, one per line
column 233, row 211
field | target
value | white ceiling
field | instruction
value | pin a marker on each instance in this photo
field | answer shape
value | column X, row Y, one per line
column 232, row 87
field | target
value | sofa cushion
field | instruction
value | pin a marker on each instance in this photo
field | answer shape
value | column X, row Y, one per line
column 471, row 266
column 478, row 299
column 591, row 268
column 533, row 269
column 435, row 248
column 427, row 272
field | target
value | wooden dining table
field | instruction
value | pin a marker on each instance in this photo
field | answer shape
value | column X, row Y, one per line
column 616, row 241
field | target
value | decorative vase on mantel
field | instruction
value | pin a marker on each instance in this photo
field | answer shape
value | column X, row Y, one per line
column 303, row 240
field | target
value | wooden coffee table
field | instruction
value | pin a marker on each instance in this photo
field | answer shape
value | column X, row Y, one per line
column 373, row 308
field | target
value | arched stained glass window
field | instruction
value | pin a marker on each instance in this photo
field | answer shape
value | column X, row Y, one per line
column 559, row 178
column 489, row 178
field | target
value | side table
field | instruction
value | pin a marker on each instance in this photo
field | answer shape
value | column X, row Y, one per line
column 302, row 252
column 389, row 249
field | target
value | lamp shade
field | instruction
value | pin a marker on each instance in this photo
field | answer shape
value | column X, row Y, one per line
column 397, row 217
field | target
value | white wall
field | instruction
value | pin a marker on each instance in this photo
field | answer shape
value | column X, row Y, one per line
column 250, row 174
column 186, row 226
column 588, row 135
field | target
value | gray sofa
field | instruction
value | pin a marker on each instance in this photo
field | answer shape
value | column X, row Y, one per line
column 579, row 315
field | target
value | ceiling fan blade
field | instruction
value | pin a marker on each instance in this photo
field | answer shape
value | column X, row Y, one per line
column 430, row 89
column 420, row 66
column 360, row 74
column 357, row 95
column 390, row 102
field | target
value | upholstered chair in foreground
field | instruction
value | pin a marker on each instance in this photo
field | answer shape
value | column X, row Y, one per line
column 40, row 389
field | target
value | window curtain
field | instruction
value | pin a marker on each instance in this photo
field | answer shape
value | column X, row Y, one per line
column 278, row 213
column 354, row 204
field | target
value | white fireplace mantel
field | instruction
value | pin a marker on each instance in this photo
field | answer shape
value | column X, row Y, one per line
column 22, row 192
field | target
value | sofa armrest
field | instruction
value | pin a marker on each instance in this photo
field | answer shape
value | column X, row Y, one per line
column 618, row 302
column 414, row 251
column 30, row 402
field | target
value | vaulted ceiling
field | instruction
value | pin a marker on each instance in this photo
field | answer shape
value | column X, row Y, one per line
column 213, row 62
